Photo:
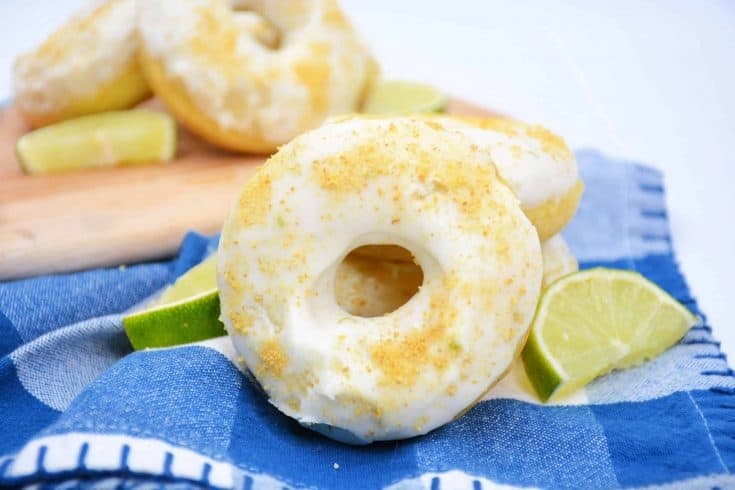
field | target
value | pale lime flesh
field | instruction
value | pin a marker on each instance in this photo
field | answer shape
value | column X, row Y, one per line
column 597, row 320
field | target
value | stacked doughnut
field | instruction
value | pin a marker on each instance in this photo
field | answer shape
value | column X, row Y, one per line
column 246, row 75
column 379, row 275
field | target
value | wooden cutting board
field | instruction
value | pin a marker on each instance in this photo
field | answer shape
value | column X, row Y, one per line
column 114, row 216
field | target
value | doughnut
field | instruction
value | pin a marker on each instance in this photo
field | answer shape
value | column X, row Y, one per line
column 88, row 65
column 558, row 260
column 234, row 91
column 387, row 182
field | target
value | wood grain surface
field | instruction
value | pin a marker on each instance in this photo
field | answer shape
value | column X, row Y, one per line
column 113, row 216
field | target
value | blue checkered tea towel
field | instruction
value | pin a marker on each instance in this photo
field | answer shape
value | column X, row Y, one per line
column 78, row 409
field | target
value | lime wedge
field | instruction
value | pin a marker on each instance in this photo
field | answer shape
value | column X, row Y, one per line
column 594, row 321
column 197, row 280
column 98, row 140
column 402, row 97
column 188, row 320
column 188, row 311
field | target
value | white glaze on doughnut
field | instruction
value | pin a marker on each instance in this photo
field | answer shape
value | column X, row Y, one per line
column 92, row 48
column 320, row 68
column 533, row 170
column 374, row 181
column 535, row 163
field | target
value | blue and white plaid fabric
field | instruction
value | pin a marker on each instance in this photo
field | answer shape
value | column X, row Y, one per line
column 78, row 409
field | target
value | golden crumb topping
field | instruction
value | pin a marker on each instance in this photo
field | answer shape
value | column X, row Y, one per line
column 242, row 321
column 404, row 358
column 255, row 202
column 273, row 359
column 314, row 73
column 60, row 42
column 550, row 143
column 403, row 150
column 215, row 42
column 334, row 17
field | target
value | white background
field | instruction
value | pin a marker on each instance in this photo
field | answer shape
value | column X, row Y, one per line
column 650, row 81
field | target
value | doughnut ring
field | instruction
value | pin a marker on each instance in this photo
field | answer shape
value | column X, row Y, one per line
column 223, row 83
column 88, row 65
column 377, row 182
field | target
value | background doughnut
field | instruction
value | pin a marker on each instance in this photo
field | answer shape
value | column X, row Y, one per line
column 535, row 163
column 225, row 85
column 373, row 182
column 89, row 65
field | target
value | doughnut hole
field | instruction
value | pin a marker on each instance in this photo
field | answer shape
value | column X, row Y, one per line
column 246, row 19
column 374, row 280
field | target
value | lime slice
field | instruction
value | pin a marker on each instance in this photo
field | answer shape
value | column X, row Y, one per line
column 188, row 320
column 594, row 321
column 197, row 280
column 401, row 97
column 98, row 140
column 188, row 311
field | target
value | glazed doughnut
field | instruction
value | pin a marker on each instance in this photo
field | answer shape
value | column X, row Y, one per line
column 232, row 90
column 88, row 65
column 377, row 182
column 558, row 260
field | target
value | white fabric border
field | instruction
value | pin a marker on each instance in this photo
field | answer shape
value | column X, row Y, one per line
column 105, row 453
column 148, row 456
